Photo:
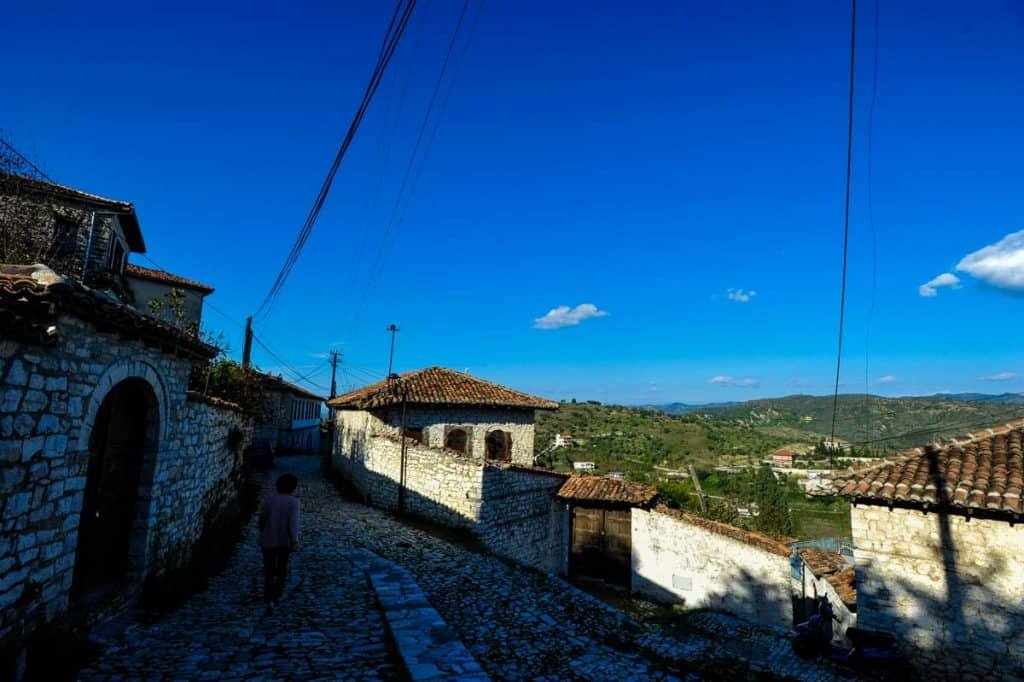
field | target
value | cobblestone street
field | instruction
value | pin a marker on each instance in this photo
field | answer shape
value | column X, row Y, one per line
column 519, row 624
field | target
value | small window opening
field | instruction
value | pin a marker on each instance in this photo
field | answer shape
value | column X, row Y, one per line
column 499, row 446
column 456, row 440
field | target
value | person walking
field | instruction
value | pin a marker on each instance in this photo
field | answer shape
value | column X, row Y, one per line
column 279, row 536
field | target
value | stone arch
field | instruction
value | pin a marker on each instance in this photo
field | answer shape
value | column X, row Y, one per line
column 124, row 434
column 457, row 439
column 115, row 374
column 498, row 445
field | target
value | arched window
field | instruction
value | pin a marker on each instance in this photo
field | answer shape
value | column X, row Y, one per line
column 499, row 446
column 456, row 440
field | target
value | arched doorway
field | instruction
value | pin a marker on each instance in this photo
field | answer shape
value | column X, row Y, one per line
column 499, row 446
column 112, row 532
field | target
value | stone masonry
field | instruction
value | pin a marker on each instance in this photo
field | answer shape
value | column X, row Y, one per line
column 950, row 587
column 49, row 400
column 510, row 508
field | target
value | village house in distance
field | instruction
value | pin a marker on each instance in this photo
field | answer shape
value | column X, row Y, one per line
column 291, row 422
column 110, row 467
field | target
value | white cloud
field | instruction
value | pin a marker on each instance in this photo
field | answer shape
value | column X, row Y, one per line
column 730, row 381
column 887, row 379
column 564, row 316
column 740, row 296
column 1000, row 264
column 999, row 376
column 946, row 279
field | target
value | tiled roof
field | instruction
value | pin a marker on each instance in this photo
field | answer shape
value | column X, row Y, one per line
column 31, row 296
column 747, row 537
column 124, row 210
column 844, row 582
column 821, row 561
column 275, row 383
column 163, row 277
column 982, row 471
column 603, row 489
column 438, row 386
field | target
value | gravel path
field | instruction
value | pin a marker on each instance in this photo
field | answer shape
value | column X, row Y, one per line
column 517, row 623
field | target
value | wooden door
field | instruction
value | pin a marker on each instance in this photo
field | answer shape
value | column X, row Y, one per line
column 601, row 544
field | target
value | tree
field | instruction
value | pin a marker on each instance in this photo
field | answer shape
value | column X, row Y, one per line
column 773, row 511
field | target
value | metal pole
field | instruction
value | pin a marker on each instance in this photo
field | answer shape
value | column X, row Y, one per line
column 334, row 370
column 393, row 328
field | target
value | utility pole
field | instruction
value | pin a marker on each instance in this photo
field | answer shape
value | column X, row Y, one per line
column 393, row 328
column 247, row 349
column 334, row 370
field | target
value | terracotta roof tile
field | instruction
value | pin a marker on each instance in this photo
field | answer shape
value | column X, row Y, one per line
column 747, row 537
column 821, row 561
column 32, row 295
column 276, row 383
column 603, row 489
column 163, row 277
column 844, row 582
column 438, row 386
column 984, row 471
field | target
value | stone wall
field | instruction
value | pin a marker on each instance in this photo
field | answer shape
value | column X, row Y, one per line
column 695, row 564
column 49, row 401
column 476, row 422
column 819, row 596
column 949, row 587
column 520, row 518
column 512, row 511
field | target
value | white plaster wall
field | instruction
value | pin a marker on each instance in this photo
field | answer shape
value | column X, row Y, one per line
column 950, row 588
column 676, row 562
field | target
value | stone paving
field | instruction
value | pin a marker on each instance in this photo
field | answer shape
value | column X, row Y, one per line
column 517, row 623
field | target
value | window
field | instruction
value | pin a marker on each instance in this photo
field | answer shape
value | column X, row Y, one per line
column 456, row 440
column 499, row 446
column 65, row 236
column 415, row 434
column 117, row 254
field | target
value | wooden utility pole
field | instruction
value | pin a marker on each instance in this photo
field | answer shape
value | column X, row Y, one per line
column 700, row 491
column 334, row 370
column 393, row 328
column 247, row 348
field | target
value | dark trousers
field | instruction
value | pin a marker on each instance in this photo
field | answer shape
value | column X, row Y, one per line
column 275, row 571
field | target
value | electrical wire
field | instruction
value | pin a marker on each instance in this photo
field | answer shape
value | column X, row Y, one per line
column 401, row 201
column 396, row 29
column 298, row 375
column 846, row 215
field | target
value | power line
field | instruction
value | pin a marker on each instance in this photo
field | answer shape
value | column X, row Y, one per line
column 399, row 21
column 395, row 221
column 299, row 376
column 846, row 214
column 24, row 159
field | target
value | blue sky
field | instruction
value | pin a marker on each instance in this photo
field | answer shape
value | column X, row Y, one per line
column 660, row 162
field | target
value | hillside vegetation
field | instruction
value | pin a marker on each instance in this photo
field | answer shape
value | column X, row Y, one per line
column 886, row 423
column 639, row 440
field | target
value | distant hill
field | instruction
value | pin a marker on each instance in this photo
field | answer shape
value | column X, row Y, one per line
column 685, row 408
column 889, row 423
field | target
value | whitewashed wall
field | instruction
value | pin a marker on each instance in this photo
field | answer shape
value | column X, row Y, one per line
column 680, row 562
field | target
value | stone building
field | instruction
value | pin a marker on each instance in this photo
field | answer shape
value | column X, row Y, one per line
column 458, row 450
column 938, row 547
column 148, row 287
column 110, row 468
column 827, row 588
column 291, row 420
column 83, row 236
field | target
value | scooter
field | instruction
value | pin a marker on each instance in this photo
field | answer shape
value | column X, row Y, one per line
column 873, row 654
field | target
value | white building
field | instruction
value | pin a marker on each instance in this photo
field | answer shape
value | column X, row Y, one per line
column 584, row 466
